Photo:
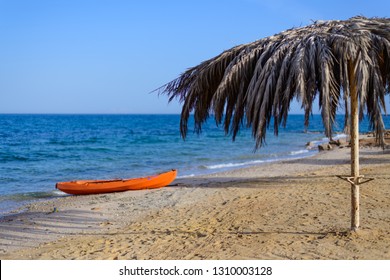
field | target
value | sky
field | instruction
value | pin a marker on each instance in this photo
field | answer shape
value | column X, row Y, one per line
column 108, row 56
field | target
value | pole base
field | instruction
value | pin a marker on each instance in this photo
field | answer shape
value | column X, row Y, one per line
column 355, row 183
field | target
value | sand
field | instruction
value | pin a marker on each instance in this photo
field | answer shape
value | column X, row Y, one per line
column 296, row 209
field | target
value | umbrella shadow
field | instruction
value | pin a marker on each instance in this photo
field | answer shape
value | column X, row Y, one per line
column 330, row 162
column 319, row 233
column 258, row 183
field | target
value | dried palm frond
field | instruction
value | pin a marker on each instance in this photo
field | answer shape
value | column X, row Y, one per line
column 252, row 84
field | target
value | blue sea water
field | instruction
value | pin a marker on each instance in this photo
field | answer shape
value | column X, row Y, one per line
column 36, row 151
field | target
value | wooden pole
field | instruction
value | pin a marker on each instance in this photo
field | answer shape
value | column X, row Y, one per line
column 354, row 156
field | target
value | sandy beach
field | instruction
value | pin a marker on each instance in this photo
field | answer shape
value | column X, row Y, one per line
column 296, row 209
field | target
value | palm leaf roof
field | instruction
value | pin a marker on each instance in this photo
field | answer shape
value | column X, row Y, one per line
column 252, row 84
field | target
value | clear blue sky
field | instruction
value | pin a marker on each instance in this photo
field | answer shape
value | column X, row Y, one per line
column 95, row 56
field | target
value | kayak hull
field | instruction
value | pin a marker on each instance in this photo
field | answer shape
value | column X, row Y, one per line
column 84, row 187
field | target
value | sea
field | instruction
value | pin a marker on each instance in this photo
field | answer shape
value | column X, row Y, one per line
column 37, row 151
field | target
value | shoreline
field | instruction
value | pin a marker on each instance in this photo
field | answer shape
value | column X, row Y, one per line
column 17, row 203
column 20, row 204
column 42, row 197
column 295, row 209
column 31, row 176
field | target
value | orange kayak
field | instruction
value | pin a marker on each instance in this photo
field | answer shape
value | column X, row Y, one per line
column 117, row 185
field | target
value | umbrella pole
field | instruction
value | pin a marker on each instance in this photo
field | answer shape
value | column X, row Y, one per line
column 355, row 180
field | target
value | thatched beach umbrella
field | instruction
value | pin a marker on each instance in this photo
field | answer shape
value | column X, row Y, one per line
column 346, row 63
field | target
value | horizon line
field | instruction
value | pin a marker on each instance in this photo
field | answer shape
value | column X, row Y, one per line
column 102, row 114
